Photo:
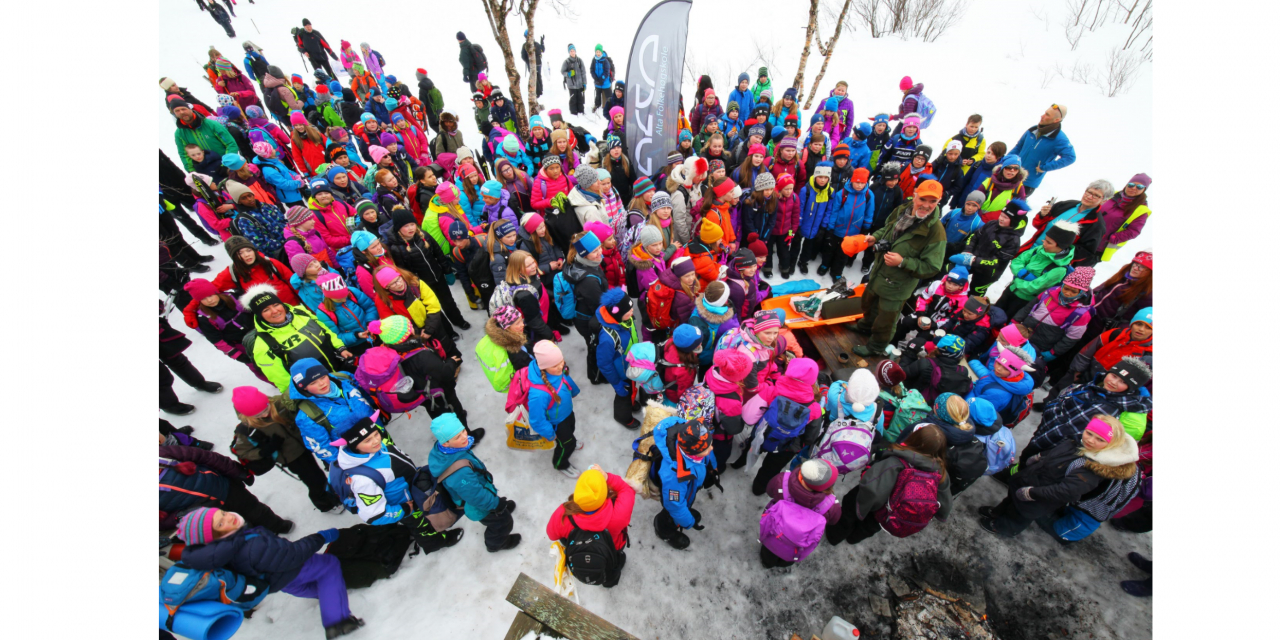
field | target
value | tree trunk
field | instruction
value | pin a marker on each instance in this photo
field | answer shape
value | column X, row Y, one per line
column 497, row 11
column 531, row 50
column 826, row 52
column 798, row 83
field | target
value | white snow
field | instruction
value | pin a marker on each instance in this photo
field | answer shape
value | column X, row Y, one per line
column 990, row 63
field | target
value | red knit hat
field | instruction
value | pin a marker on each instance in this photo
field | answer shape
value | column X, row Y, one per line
column 785, row 180
column 756, row 245
column 841, row 151
column 861, row 175
column 199, row 288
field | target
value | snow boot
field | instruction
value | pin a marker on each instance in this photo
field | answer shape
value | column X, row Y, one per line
column 512, row 541
column 187, row 429
column 476, row 436
column 210, row 387
column 677, row 539
column 822, row 270
column 286, row 526
column 768, row 273
column 1137, row 588
column 570, row 471
column 344, row 626
column 1140, row 561
column 180, row 409
column 804, row 268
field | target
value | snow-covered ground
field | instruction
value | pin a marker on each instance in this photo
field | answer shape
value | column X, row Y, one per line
column 991, row 63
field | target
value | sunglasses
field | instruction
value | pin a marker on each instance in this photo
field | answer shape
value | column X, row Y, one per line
column 1136, row 185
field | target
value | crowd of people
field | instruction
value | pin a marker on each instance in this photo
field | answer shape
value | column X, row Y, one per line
column 355, row 213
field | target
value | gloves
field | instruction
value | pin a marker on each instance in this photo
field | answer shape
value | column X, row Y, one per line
column 1024, row 494
column 329, row 535
column 1048, row 357
column 1032, row 460
column 964, row 259
column 555, row 336
column 724, row 270
column 248, row 477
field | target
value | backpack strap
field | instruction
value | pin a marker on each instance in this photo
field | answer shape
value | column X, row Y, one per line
column 453, row 468
column 312, row 411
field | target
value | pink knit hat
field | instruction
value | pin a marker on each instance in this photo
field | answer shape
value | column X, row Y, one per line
column 803, row 369
column 300, row 261
column 377, row 153
column 332, row 285
column 1012, row 335
column 905, row 83
column 264, row 150
column 248, row 401
column 386, row 276
column 765, row 320
column 603, row 231
column 547, row 354
column 1081, row 278
column 1010, row 360
column 297, row 119
column 447, row 193
column 733, row 364
column 532, row 222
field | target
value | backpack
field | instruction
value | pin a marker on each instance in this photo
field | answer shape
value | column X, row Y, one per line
column 847, row 441
column 1000, row 449
column 786, row 419
column 344, row 260
column 1017, row 410
column 591, row 556
column 182, row 584
column 791, row 531
column 518, row 391
column 478, row 270
column 384, row 362
column 423, row 488
column 496, row 364
column 908, row 410
column 504, row 294
column 912, row 504
column 926, row 108
column 562, row 291
column 381, row 61
column 657, row 305
column 478, row 57
column 967, row 461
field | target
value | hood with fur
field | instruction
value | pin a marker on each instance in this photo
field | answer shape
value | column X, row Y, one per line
column 1116, row 462
column 711, row 317
column 509, row 340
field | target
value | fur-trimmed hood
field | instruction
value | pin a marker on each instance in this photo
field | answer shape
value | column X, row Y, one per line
column 509, row 340
column 712, row 317
column 1116, row 462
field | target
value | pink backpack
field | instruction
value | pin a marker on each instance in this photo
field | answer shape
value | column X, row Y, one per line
column 912, row 504
column 791, row 531
column 379, row 373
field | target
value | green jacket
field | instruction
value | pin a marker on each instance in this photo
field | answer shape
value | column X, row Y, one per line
column 330, row 115
column 1045, row 268
column 431, row 223
column 482, row 116
column 303, row 337
column 208, row 134
column 922, row 251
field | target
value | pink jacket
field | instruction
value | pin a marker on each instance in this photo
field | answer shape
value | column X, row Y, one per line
column 938, row 289
column 223, row 227
column 415, row 143
column 242, row 88
column 787, row 216
column 331, row 222
column 788, row 387
column 349, row 56
column 545, row 189
column 319, row 248
column 683, row 376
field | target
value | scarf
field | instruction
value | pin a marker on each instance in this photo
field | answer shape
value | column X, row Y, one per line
column 584, row 260
column 1043, row 130
column 915, row 171
column 451, row 451
column 716, row 309
column 1065, row 300
column 905, row 223
column 665, row 223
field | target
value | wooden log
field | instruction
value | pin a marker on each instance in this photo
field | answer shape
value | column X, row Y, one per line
column 560, row 614
column 521, row 626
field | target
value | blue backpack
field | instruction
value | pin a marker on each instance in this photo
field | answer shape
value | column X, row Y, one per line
column 182, row 584
column 1001, row 448
column 346, row 262
column 786, row 419
column 926, row 109
column 565, row 301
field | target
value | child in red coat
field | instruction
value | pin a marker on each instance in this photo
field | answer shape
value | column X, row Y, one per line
column 601, row 502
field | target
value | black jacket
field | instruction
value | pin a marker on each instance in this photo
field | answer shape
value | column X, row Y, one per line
column 422, row 258
column 1052, row 486
column 535, row 328
column 993, row 247
column 886, row 201
column 173, row 183
column 349, row 109
column 951, row 177
column 313, row 44
column 467, row 58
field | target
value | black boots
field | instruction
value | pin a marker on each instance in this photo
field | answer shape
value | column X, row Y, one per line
column 347, row 625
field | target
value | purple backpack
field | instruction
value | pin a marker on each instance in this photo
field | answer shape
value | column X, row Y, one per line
column 378, row 373
column 847, row 441
column 912, row 504
column 791, row 531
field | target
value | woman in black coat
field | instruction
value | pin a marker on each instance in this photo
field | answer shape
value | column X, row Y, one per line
column 1050, row 480
column 411, row 251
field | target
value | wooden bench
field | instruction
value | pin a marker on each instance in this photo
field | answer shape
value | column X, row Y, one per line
column 543, row 610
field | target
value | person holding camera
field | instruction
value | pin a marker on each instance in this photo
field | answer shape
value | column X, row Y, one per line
column 910, row 247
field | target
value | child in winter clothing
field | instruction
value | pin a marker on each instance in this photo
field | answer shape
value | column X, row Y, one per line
column 680, row 358
column 617, row 334
column 937, row 302
column 786, row 222
column 344, row 311
column 687, row 464
column 775, row 404
column 1104, row 351
column 959, row 223
column 940, row 372
column 901, row 148
column 714, row 318
column 551, row 394
column 816, row 201
column 850, row 215
column 1005, row 383
column 502, row 350
column 1037, row 270
column 1004, row 185
column 339, row 401
column 268, row 436
column 1120, row 393
column 218, row 539
column 949, row 173
column 810, row 487
column 923, row 451
column 220, row 319
column 877, row 139
column 600, row 502
column 1060, row 316
column 990, row 248
column 471, row 485
column 916, row 171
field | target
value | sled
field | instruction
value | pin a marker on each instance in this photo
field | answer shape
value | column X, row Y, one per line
column 796, row 320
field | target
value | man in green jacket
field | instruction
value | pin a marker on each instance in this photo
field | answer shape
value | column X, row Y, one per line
column 196, row 129
column 916, row 245
column 286, row 334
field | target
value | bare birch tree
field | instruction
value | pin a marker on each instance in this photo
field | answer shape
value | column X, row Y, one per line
column 497, row 12
column 826, row 50
column 798, row 83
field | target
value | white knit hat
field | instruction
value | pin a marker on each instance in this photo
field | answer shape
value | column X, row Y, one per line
column 862, row 389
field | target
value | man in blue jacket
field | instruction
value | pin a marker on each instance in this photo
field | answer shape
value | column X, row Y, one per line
column 687, row 460
column 1044, row 147
column 602, row 74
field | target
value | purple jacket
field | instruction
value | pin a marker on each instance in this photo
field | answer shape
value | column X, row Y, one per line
column 243, row 89
column 909, row 102
column 1113, row 216
column 787, row 216
column 493, row 212
column 845, row 111
column 801, row 495
column 682, row 305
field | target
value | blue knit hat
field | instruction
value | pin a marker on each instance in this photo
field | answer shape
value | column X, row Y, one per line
column 586, row 244
column 445, row 427
column 743, row 76
column 983, row 412
column 863, row 129
column 503, row 227
column 390, row 79
column 333, row 172
column 457, row 231
column 959, row 273
column 687, row 336
column 1011, row 160
column 1143, row 315
column 790, row 93
column 882, row 117
column 951, row 345
column 233, row 161
column 362, row 239
column 777, row 133
column 685, row 135
column 833, row 104
column 491, row 188
column 335, row 88
column 306, row 371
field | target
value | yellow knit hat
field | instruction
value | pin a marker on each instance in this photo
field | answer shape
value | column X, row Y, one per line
column 591, row 490
column 711, row 232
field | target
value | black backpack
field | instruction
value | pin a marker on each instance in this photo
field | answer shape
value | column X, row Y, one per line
column 477, row 54
column 592, row 557
column 478, row 269
column 967, row 461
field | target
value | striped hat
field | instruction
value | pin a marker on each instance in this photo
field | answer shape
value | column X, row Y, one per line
column 222, row 64
column 197, row 526
column 642, row 186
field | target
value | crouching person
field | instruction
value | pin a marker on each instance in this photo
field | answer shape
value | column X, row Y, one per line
column 471, row 485
column 373, row 479
column 217, row 539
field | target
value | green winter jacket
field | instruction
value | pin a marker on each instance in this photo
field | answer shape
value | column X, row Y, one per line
column 1042, row 270
column 494, row 353
column 431, row 223
column 208, row 134
column 482, row 116
column 755, row 91
column 303, row 337
column 330, row 115
column 922, row 251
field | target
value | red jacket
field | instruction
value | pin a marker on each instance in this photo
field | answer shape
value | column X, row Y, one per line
column 787, row 217
column 1116, row 344
column 682, row 375
column 794, row 168
column 307, row 156
column 331, row 222
column 613, row 268
column 280, row 280
column 704, row 264
column 614, row 516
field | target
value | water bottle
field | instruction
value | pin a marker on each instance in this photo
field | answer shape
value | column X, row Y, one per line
column 840, row 629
